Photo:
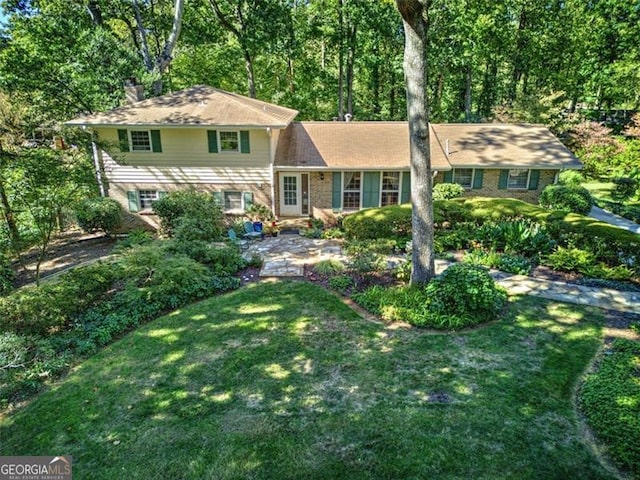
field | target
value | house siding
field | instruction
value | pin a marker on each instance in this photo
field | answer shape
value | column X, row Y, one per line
column 490, row 188
column 189, row 147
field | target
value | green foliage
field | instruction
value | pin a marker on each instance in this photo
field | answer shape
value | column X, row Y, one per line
column 516, row 236
column 221, row 259
column 372, row 223
column 190, row 215
column 403, row 271
column 570, row 259
column 516, row 264
column 331, row 233
column 329, row 267
column 624, row 188
column 100, row 214
column 341, row 283
column 260, row 213
column 457, row 238
column 566, row 199
column 383, row 246
column 447, row 191
column 464, row 295
column 367, row 262
column 134, row 238
column 571, row 178
column 610, row 398
column 7, row 274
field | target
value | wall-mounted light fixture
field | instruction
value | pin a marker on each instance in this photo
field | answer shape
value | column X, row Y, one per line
column 321, row 176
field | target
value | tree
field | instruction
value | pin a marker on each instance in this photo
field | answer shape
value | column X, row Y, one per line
column 415, row 24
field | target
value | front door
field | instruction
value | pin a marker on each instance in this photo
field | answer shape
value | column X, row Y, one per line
column 290, row 194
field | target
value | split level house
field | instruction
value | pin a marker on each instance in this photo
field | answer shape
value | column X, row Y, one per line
column 248, row 151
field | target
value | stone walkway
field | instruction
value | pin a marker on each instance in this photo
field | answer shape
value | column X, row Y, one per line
column 286, row 255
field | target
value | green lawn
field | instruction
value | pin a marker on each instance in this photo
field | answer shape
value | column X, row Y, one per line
column 599, row 190
column 282, row 380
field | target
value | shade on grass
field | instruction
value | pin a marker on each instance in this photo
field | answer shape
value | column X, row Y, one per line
column 282, row 380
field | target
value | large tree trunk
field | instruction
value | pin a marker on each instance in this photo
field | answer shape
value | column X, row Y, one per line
column 413, row 16
column 467, row 94
column 248, row 65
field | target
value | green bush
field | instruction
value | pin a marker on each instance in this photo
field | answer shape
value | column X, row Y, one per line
column 571, row 178
column 329, row 267
column 609, row 399
column 100, row 214
column 386, row 222
column 516, row 236
column 341, row 283
column 192, row 209
column 447, row 191
column 516, row 264
column 221, row 259
column 463, row 295
column 133, row 238
column 367, row 262
column 570, row 259
column 624, row 188
column 7, row 274
column 383, row 246
column 566, row 198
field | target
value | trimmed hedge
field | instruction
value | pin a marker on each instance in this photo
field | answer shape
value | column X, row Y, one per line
column 99, row 214
column 567, row 198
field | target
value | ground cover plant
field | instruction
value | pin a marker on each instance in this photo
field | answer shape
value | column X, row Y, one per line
column 610, row 399
column 47, row 328
column 283, row 380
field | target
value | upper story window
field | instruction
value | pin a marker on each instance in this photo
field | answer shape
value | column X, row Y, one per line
column 140, row 140
column 463, row 176
column 518, row 179
column 229, row 142
column 390, row 194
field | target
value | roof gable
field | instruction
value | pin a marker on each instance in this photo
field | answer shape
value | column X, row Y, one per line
column 196, row 106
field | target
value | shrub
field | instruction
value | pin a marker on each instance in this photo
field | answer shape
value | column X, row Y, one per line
column 447, row 191
column 570, row 178
column 198, row 209
column 331, row 233
column 463, row 295
column 386, row 222
column 260, row 213
column 570, row 259
column 133, row 238
column 609, row 399
column 566, row 198
column 383, row 246
column 516, row 236
column 100, row 214
column 367, row 262
column 221, row 259
column 403, row 271
column 329, row 267
column 624, row 188
column 341, row 283
column 7, row 274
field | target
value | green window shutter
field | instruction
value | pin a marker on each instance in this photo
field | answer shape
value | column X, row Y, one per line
column 132, row 197
column 336, row 192
column 406, row 187
column 504, row 177
column 123, row 140
column 156, row 144
column 212, row 138
column 534, row 178
column 448, row 176
column 162, row 194
column 477, row 178
column 245, row 147
column 248, row 199
column 218, row 198
column 371, row 190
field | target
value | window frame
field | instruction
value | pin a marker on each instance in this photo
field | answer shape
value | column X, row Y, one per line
column 142, row 202
column 238, row 140
column 352, row 191
column 526, row 185
column 397, row 191
column 130, row 138
column 473, row 175
column 241, row 209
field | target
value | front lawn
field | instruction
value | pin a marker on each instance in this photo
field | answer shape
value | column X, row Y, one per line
column 283, row 380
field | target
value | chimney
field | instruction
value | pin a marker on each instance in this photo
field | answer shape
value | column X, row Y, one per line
column 133, row 91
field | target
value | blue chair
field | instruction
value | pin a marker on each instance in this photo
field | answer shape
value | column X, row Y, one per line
column 249, row 231
column 235, row 240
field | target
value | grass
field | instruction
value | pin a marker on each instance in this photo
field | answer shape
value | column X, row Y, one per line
column 599, row 190
column 283, row 380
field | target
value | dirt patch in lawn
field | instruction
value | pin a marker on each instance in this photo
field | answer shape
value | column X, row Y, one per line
column 68, row 250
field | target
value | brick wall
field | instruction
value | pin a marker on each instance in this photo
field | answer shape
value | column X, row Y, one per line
column 490, row 186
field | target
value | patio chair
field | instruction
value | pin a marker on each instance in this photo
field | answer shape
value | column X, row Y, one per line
column 235, row 240
column 249, row 231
